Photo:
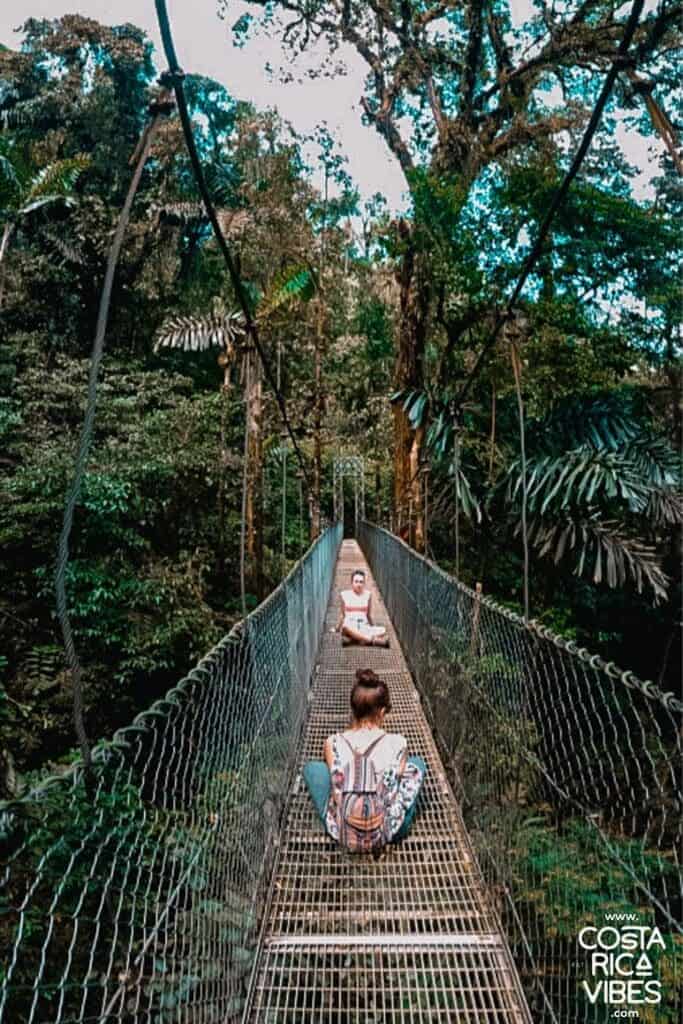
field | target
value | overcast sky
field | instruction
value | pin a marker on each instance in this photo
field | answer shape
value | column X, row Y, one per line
column 205, row 47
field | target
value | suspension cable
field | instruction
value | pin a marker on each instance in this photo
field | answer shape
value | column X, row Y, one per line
column 618, row 63
column 245, row 484
column 517, row 373
column 158, row 110
column 174, row 78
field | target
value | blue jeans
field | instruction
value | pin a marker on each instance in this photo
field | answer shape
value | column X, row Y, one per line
column 317, row 778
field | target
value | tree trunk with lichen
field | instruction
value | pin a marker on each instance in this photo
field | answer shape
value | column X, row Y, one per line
column 408, row 374
column 378, row 495
column 318, row 407
column 254, row 502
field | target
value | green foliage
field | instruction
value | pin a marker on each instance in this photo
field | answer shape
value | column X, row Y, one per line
column 291, row 284
column 606, row 421
column 145, row 584
column 373, row 322
column 568, row 881
column 582, row 500
column 440, row 438
column 61, row 836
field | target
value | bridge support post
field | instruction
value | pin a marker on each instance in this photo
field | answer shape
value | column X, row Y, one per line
column 352, row 466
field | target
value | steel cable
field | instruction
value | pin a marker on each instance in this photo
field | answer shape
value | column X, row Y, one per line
column 142, row 152
column 174, row 77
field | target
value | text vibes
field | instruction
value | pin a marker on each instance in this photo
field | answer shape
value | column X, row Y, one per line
column 620, row 965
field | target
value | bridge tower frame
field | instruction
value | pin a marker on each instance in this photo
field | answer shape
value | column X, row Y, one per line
column 352, row 466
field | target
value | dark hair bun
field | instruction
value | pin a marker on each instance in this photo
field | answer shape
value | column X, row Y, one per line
column 366, row 677
column 369, row 695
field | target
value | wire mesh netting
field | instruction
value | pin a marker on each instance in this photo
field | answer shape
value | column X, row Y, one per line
column 135, row 896
column 407, row 937
column 388, row 982
column 568, row 774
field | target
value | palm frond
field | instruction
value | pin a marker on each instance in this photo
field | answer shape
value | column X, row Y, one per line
column 664, row 508
column 180, row 209
column 222, row 182
column 654, row 461
column 415, row 402
column 277, row 453
column 601, row 551
column 8, row 91
column 604, row 422
column 299, row 282
column 62, row 248
column 23, row 113
column 55, row 181
column 218, row 329
column 463, row 493
column 440, row 435
column 8, row 172
column 577, row 478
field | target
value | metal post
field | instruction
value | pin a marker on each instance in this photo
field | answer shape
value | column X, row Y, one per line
column 425, row 472
column 456, row 473
column 301, row 513
column 284, row 502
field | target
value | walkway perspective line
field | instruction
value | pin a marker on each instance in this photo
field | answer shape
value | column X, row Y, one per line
column 411, row 937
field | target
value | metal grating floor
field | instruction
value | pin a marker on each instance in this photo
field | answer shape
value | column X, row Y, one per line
column 409, row 937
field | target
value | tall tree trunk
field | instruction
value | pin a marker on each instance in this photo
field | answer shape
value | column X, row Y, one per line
column 670, row 670
column 222, row 481
column 254, row 503
column 672, row 369
column 417, row 490
column 408, row 373
column 4, row 242
column 318, row 404
column 378, row 492
column 492, row 441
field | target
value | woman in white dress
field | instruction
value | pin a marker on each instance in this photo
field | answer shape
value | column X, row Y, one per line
column 355, row 615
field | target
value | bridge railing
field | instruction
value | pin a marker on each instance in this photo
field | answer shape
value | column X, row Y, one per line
column 568, row 774
column 134, row 896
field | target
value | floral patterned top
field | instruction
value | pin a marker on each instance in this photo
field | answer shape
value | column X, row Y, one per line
column 401, row 790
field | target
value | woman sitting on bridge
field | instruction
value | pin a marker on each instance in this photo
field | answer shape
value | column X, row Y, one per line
column 355, row 616
column 397, row 777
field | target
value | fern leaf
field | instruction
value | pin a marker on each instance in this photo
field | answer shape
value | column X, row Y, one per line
column 56, row 181
column 198, row 334
column 182, row 210
column 64, row 248
column 8, row 172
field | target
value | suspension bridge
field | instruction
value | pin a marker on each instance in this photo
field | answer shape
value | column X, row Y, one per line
column 186, row 877
column 183, row 877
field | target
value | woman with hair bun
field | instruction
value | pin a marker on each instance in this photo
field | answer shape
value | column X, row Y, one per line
column 399, row 777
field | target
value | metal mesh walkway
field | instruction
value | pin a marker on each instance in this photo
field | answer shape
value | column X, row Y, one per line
column 411, row 937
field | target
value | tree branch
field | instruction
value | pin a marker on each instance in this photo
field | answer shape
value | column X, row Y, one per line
column 472, row 57
column 386, row 127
